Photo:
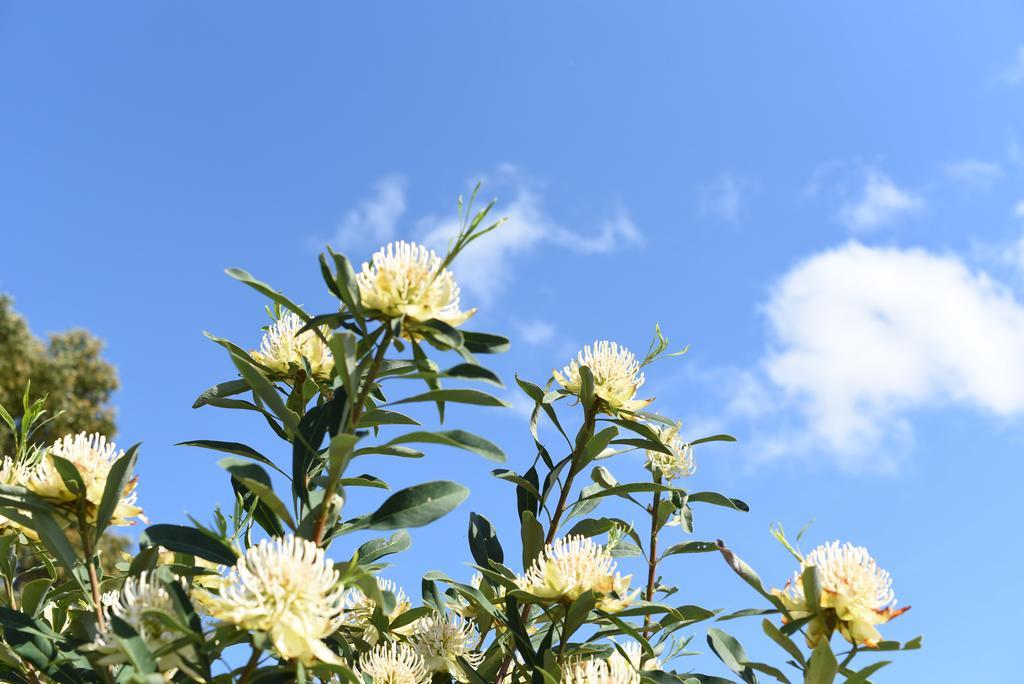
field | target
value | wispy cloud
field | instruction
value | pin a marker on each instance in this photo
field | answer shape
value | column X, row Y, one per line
column 879, row 202
column 536, row 332
column 487, row 265
column 724, row 198
column 1013, row 74
column 973, row 172
column 375, row 219
column 862, row 336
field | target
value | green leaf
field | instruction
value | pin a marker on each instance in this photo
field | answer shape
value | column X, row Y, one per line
column 375, row 417
column 690, row 547
column 133, row 646
column 776, row 635
column 68, row 472
column 731, row 653
column 713, row 438
column 811, row 581
column 861, row 676
column 632, row 488
column 257, row 481
column 458, row 396
column 244, row 276
column 718, row 500
column 378, row 548
column 118, row 478
column 823, row 667
column 189, row 540
column 576, row 615
column 418, row 505
column 595, row 445
column 266, row 391
column 221, row 390
column 363, row 480
column 748, row 575
column 483, row 541
column 235, row 448
column 532, row 537
column 459, row 439
column 484, row 343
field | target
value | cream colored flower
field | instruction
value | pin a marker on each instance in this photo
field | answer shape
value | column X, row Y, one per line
column 19, row 475
column 572, row 566
column 856, row 594
column 135, row 603
column 442, row 640
column 406, row 279
column 679, row 463
column 93, row 456
column 281, row 352
column 287, row 588
column 616, row 373
column 394, row 664
column 617, row 669
column 359, row 610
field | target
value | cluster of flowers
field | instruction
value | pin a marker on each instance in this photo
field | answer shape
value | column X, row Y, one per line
column 287, row 587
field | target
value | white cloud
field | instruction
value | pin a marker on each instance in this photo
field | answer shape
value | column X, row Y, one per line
column 862, row 336
column 1014, row 74
column 724, row 198
column 536, row 332
column 881, row 201
column 373, row 222
column 1018, row 209
column 973, row 172
column 486, row 266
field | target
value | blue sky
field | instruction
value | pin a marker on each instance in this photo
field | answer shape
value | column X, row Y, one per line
column 823, row 200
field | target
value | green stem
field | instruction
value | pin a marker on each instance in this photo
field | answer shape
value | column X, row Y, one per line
column 589, row 422
column 250, row 666
column 357, row 410
column 652, row 558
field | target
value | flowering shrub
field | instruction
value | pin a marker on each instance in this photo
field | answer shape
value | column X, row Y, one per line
column 257, row 595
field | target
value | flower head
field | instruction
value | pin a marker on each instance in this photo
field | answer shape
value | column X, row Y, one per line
column 137, row 601
column 856, row 594
column 406, row 279
column 281, row 352
column 359, row 609
column 616, row 669
column 678, row 463
column 442, row 640
column 572, row 566
column 616, row 373
column 93, row 456
column 394, row 664
column 287, row 588
column 18, row 474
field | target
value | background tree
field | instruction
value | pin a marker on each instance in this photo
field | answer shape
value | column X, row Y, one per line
column 67, row 369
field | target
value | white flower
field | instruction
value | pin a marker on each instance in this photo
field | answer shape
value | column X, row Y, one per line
column 616, row 373
column 617, row 669
column 359, row 609
column 93, row 456
column 442, row 640
column 135, row 603
column 406, row 279
column 17, row 474
column 287, row 588
column 394, row 664
column 852, row 585
column 282, row 351
column 679, row 463
column 570, row 567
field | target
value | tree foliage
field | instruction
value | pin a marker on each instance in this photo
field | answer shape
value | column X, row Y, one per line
column 67, row 368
